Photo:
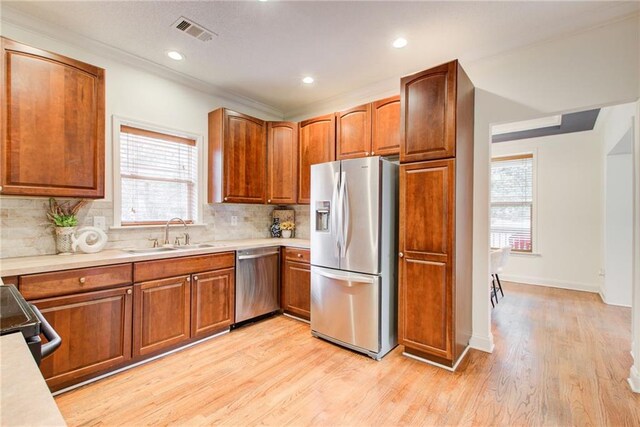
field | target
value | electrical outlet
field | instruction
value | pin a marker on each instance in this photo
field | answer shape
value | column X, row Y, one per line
column 234, row 220
column 100, row 222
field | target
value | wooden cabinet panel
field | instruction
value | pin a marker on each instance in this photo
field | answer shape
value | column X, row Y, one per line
column 282, row 169
column 161, row 268
column 353, row 132
column 67, row 282
column 212, row 305
column 428, row 114
column 315, row 145
column 385, row 124
column 161, row 314
column 426, row 312
column 297, row 255
column 52, row 124
column 296, row 289
column 237, row 158
column 95, row 328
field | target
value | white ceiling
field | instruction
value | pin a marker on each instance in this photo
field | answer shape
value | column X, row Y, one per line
column 265, row 48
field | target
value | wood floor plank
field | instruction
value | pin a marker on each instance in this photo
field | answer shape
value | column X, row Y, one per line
column 561, row 359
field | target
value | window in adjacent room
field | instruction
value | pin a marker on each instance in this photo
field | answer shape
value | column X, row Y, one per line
column 158, row 177
column 512, row 202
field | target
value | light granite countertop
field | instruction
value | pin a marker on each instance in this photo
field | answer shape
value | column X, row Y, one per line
column 26, row 399
column 44, row 263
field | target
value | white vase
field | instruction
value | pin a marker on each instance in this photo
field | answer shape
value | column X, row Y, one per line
column 286, row 233
column 63, row 240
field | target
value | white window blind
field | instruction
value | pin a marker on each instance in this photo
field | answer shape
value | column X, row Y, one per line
column 158, row 174
column 512, row 202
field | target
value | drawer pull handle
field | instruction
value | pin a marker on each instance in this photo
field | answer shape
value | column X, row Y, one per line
column 82, row 280
column 299, row 255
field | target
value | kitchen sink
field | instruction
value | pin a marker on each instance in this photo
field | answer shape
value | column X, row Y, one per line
column 149, row 250
column 202, row 246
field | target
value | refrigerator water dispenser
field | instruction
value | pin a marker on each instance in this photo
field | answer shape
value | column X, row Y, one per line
column 323, row 211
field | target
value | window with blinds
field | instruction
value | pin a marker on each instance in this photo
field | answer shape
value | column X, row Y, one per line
column 158, row 177
column 512, row 202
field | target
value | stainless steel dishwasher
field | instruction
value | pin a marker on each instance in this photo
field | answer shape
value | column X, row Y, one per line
column 257, row 282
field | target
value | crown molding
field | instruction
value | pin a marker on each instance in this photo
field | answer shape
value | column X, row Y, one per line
column 381, row 89
column 11, row 18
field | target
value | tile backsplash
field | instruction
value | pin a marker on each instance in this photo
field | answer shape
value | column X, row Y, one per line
column 25, row 230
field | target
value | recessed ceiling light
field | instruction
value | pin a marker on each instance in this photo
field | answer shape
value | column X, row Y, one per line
column 308, row 80
column 400, row 42
column 175, row 55
column 262, row 0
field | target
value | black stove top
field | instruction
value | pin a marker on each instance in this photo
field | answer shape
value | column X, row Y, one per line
column 15, row 313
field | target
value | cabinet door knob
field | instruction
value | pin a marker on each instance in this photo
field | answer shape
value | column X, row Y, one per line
column 128, row 291
column 269, row 201
column 188, row 279
column 82, row 280
column 195, row 278
column 366, row 153
column 226, row 198
column 401, row 255
column 299, row 255
column 372, row 153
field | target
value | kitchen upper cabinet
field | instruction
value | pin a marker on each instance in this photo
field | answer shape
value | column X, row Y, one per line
column 161, row 314
column 237, row 158
column 385, row 125
column 353, row 132
column 282, row 169
column 316, row 145
column 436, row 214
column 212, row 305
column 95, row 328
column 428, row 110
column 296, row 283
column 53, row 116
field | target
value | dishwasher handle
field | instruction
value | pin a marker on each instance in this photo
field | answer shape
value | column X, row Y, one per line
column 243, row 257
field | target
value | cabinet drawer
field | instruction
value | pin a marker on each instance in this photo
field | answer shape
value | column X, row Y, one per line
column 298, row 255
column 151, row 270
column 72, row 281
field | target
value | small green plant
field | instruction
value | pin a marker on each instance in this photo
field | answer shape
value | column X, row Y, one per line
column 64, row 214
column 287, row 225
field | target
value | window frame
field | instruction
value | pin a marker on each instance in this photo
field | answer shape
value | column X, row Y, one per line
column 533, row 154
column 117, row 123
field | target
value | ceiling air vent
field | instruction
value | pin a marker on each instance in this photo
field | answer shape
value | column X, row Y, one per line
column 189, row 27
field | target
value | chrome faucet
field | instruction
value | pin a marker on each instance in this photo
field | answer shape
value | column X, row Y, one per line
column 187, row 239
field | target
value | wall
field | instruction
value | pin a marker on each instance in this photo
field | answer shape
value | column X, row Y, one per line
column 616, row 288
column 568, row 217
column 137, row 94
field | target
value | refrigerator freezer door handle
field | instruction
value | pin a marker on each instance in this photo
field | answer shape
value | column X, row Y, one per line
column 341, row 218
column 349, row 277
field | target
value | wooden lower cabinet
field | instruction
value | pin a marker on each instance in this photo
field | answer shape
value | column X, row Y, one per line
column 162, row 315
column 296, row 283
column 435, row 264
column 212, row 302
column 95, row 328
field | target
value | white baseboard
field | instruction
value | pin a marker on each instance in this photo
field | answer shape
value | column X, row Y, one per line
column 482, row 343
column 634, row 379
column 604, row 300
column 438, row 365
column 551, row 283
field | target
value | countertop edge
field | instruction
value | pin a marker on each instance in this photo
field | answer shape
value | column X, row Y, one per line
column 48, row 263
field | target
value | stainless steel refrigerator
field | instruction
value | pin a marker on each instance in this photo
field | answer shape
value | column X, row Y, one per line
column 354, row 206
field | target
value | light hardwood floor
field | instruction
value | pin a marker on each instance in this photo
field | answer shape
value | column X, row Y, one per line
column 561, row 358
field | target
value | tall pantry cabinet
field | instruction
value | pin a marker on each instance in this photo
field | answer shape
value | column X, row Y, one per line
column 436, row 198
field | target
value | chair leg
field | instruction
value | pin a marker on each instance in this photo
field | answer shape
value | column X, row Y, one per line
column 499, row 285
column 493, row 284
